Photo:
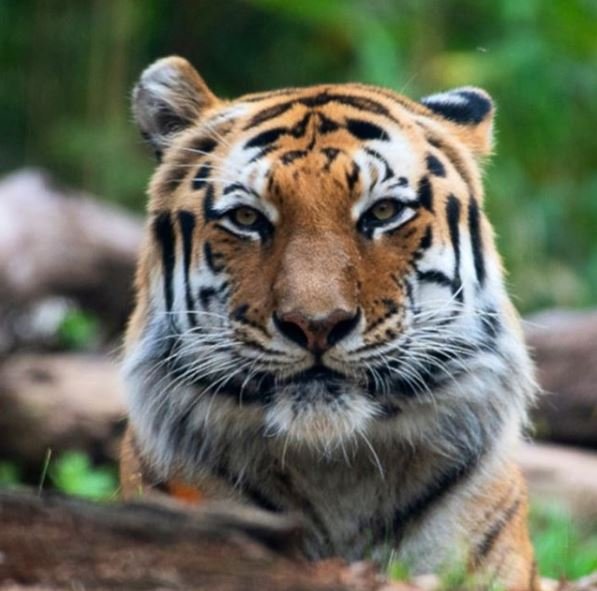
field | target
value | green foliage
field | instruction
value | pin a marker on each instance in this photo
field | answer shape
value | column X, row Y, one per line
column 398, row 571
column 564, row 548
column 74, row 474
column 10, row 474
column 67, row 69
column 78, row 330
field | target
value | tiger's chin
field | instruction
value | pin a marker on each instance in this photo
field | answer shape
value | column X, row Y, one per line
column 319, row 415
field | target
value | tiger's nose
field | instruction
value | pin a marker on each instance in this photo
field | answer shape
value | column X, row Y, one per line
column 317, row 335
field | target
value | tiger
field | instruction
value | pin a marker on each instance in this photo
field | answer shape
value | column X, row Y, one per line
column 321, row 325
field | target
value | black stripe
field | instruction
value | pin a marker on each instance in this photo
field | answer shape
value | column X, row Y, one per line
column 234, row 187
column 204, row 145
column 331, row 154
column 269, row 113
column 263, row 152
column 205, row 296
column 434, row 276
column 365, row 130
column 186, row 221
column 327, row 125
column 492, row 534
column 436, row 490
column 240, row 314
column 453, row 157
column 202, row 176
column 490, row 321
column 389, row 172
column 427, row 239
column 453, row 216
column 425, row 193
column 357, row 102
column 210, row 259
column 164, row 234
column 476, row 239
column 353, row 176
column 209, row 213
column 265, row 138
column 292, row 155
column 435, row 166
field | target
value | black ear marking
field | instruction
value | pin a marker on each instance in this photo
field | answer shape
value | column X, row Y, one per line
column 465, row 106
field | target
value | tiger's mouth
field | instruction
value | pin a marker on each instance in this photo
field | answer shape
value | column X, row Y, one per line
column 318, row 381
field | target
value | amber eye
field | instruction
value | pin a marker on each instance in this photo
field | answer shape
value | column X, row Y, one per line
column 245, row 216
column 384, row 210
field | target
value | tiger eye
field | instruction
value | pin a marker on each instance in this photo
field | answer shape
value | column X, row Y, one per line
column 384, row 210
column 245, row 216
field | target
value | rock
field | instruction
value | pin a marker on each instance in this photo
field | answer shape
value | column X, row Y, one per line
column 59, row 243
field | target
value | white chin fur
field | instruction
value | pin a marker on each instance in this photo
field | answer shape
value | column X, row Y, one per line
column 318, row 419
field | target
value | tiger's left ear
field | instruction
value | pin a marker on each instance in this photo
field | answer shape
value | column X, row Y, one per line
column 469, row 113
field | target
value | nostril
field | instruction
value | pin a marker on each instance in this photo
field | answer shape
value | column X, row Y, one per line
column 292, row 331
column 343, row 328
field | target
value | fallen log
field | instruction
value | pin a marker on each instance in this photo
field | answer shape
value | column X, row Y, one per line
column 564, row 346
column 55, row 542
column 59, row 402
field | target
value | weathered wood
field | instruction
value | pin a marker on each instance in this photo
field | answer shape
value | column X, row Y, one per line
column 61, row 543
column 564, row 346
column 59, row 401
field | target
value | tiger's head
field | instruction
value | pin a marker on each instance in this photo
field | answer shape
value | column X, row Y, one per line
column 317, row 262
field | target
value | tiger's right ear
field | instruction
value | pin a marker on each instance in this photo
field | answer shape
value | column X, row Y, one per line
column 169, row 96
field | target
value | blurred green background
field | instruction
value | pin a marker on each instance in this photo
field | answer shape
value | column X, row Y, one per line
column 67, row 68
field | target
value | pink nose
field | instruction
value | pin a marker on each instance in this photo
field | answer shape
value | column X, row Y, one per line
column 317, row 335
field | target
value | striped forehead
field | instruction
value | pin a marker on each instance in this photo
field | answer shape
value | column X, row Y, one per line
column 289, row 131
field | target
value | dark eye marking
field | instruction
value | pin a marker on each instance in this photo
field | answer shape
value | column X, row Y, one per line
column 435, row 166
column 202, row 176
column 364, row 130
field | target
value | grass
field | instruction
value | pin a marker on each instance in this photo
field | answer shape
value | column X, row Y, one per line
column 564, row 547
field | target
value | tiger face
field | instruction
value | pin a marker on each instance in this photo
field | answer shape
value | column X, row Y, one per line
column 317, row 263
